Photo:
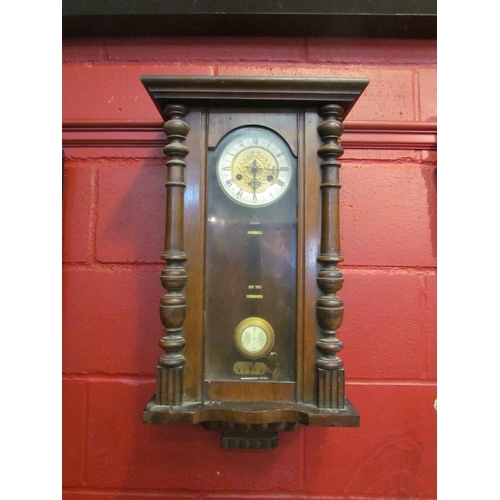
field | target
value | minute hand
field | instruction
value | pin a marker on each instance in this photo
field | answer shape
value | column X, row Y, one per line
column 254, row 182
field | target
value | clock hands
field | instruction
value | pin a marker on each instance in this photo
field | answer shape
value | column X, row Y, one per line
column 254, row 183
column 252, row 174
column 255, row 168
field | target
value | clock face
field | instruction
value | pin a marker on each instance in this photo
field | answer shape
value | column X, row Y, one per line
column 254, row 167
column 254, row 337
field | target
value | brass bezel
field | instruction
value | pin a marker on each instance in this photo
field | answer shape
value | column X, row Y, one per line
column 254, row 321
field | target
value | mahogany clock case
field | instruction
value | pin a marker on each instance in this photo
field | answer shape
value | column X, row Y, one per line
column 208, row 249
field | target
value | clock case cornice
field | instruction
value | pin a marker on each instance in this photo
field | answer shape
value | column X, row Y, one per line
column 252, row 91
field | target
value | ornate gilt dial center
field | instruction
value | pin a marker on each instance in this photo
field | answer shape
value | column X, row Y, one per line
column 254, row 170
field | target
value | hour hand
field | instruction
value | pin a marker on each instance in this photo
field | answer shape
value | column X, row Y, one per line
column 254, row 183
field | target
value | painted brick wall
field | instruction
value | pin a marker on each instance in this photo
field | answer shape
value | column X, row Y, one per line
column 113, row 235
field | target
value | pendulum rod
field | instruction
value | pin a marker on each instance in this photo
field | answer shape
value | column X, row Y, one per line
column 254, row 291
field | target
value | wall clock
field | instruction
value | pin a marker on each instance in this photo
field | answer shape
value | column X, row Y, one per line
column 251, row 312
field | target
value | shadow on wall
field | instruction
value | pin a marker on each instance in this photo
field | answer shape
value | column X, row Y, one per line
column 160, row 456
column 390, row 469
column 431, row 183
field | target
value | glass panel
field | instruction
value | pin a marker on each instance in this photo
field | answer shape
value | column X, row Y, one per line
column 251, row 253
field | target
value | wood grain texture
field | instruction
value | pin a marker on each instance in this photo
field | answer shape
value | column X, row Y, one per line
column 251, row 416
column 249, row 391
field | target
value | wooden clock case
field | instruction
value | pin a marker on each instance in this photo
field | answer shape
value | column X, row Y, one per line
column 308, row 113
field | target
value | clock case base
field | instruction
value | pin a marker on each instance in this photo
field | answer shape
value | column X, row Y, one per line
column 250, row 425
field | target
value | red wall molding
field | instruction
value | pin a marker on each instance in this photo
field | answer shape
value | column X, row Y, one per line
column 357, row 135
column 390, row 135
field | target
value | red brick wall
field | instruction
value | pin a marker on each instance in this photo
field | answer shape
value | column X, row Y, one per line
column 113, row 236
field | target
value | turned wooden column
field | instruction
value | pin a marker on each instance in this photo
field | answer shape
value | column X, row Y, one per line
column 169, row 375
column 329, row 308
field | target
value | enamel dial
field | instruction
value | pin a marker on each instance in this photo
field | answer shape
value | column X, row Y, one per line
column 255, row 168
